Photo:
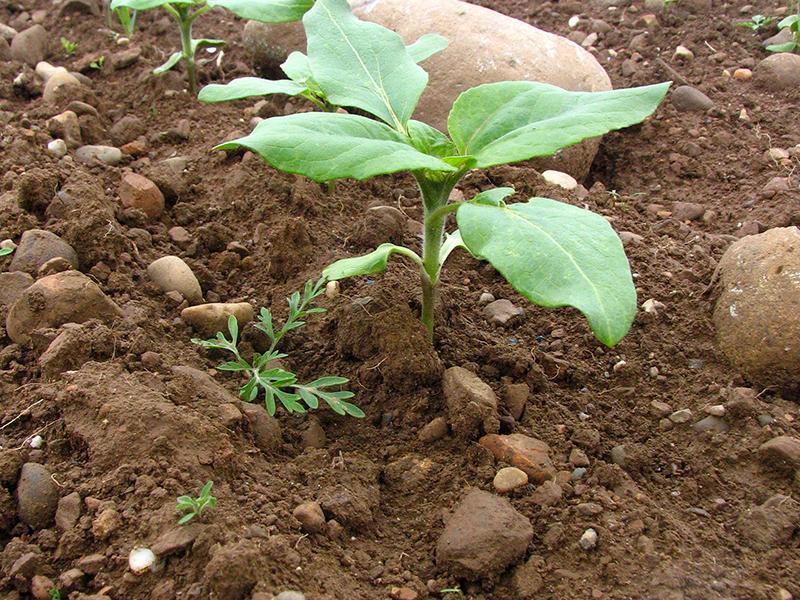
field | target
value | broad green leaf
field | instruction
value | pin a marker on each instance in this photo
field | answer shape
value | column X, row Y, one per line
column 510, row 121
column 368, row 264
column 246, row 87
column 297, row 68
column 430, row 140
column 326, row 146
column 789, row 21
column 206, row 43
column 555, row 255
column 493, row 197
column 362, row 64
column 786, row 47
column 426, row 46
column 267, row 11
column 173, row 60
column 146, row 4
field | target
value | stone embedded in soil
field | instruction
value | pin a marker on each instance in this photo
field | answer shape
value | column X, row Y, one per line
column 781, row 450
column 547, row 494
column 502, row 311
column 37, row 496
column 57, row 299
column 478, row 36
column 7, row 32
column 526, row 453
column 560, row 179
column 177, row 539
column 208, row 319
column 435, row 430
column 471, row 403
column 290, row 595
column 105, row 154
column 30, row 46
column 57, row 148
column 40, row 587
column 38, row 246
column 61, row 87
column 266, row 429
column 711, row 423
column 126, row 130
column 12, row 286
column 589, row 539
column 354, row 506
column 770, row 525
column 137, row 191
column 681, row 416
column 171, row 274
column 74, row 346
column 515, row 397
column 66, row 127
column 756, row 272
column 311, row 517
column 106, row 523
column 688, row 99
column 59, row 264
column 509, row 479
column 68, row 511
column 779, row 72
column 380, row 224
column 483, row 536
column 687, row 211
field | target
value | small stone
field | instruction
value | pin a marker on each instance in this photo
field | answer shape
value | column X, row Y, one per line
column 687, row 211
column 126, row 130
column 547, row 494
column 526, row 453
column 311, row 517
column 435, row 430
column 68, row 511
column 36, row 247
column 290, row 595
column 70, row 579
column 29, row 46
column 776, row 155
column 136, row 191
column 509, row 479
column 743, row 74
column 37, row 496
column 589, row 509
column 177, row 539
column 717, row 410
column 771, row 525
column 502, row 311
column 618, row 455
column 208, row 319
column 781, row 450
column 66, row 127
column 471, row 403
column 332, row 289
column 577, row 473
column 266, row 429
column 171, row 273
column 711, row 423
column 682, row 53
column 105, row 154
column 563, row 180
column 653, row 306
column 660, row 409
column 12, row 286
column 40, row 587
column 106, row 523
column 179, row 235
column 57, row 148
column 61, row 87
column 515, row 397
column 589, row 539
column 779, row 71
column 681, row 416
column 92, row 563
column 688, row 99
column 486, row 298
column 403, row 593
column 578, row 458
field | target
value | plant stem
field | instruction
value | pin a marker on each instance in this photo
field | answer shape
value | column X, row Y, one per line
column 185, row 24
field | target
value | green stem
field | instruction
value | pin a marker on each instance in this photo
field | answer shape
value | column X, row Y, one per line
column 185, row 24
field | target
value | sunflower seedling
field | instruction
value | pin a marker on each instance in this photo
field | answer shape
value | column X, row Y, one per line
column 185, row 12
column 792, row 24
column 194, row 507
column 756, row 22
column 275, row 381
column 552, row 253
column 126, row 18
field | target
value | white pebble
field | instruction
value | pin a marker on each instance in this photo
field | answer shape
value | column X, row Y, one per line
column 36, row 441
column 560, row 179
column 332, row 289
column 588, row 539
column 141, row 559
column 573, row 21
column 57, row 148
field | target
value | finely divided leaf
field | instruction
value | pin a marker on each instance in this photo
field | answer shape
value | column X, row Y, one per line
column 426, row 46
column 267, row 11
column 555, row 255
column 246, row 87
column 510, row 121
column 374, row 262
column 326, row 146
column 361, row 64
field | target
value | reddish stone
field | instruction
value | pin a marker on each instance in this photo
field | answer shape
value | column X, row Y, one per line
column 136, row 191
column 526, row 453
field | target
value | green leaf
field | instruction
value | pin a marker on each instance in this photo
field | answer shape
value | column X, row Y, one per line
column 789, row 21
column 452, row 241
column 352, row 410
column 170, row 63
column 493, row 197
column 233, row 329
column 206, row 489
column 231, row 366
column 325, row 146
column 309, row 398
column 786, row 47
column 555, row 255
column 297, row 68
column 267, row 11
column 145, row 4
column 426, row 46
column 6, row 251
column 362, row 64
column 430, row 140
column 186, row 518
column 327, row 381
column 206, row 43
column 510, row 121
column 246, row 87
column 374, row 262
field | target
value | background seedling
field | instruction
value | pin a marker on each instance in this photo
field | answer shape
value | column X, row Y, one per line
column 126, row 18
column 552, row 253
column 792, row 24
column 756, row 22
column 275, row 381
column 54, row 594
column 98, row 64
column 194, row 507
column 453, row 590
column 8, row 249
column 185, row 12
column 68, row 46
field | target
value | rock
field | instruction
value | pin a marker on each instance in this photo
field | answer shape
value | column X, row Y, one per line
column 74, row 346
column 781, row 450
column 509, row 479
column 779, row 72
column 40, row 587
column 37, row 496
column 137, row 191
column 126, row 58
column 515, row 397
column 57, row 148
column 171, row 274
column 578, row 458
column 266, row 429
column 589, row 539
column 290, row 595
column 7, row 33
column 59, row 264
column 38, row 246
column 66, row 127
column 126, row 130
column 30, row 46
column 483, row 537
column 435, row 430
column 682, row 53
column 547, row 494
column 471, row 403
column 526, row 453
column 502, row 311
column 12, row 285
column 618, row 455
column 560, row 179
column 486, row 298
column 403, row 593
column 711, row 423
column 177, row 539
column 68, row 297
column 106, row 523
column 105, row 154
column 91, row 564
column 688, row 211
column 755, row 272
column 62, row 87
column 771, row 524
column 743, row 74
column 380, row 224
column 314, row 435
column 688, row 99
column 681, row 416
column 782, row 37
column 68, row 511
column 208, row 319
column 311, row 517
column 35, row 189
column 485, row 46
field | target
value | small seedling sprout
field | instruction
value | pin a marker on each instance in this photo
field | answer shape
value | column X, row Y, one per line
column 790, row 23
column 453, row 590
column 7, row 249
column 275, row 381
column 127, row 18
column 54, row 593
column 756, row 22
column 98, row 63
column 69, row 47
column 553, row 253
column 194, row 507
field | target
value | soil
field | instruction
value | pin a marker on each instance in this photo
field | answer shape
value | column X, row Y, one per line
column 148, row 418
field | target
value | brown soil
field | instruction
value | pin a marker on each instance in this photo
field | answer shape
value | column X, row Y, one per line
column 130, row 435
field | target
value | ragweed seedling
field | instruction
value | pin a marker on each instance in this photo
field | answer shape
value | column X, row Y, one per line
column 69, row 47
column 194, row 507
column 98, row 63
column 792, row 24
column 185, row 12
column 274, row 381
column 552, row 253
column 756, row 22
column 54, row 593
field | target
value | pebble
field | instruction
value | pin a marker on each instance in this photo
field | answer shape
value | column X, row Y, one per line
column 509, row 479
column 589, row 539
column 403, row 593
column 743, row 74
column 618, row 455
column 521, row 451
column 661, row 409
column 717, row 410
column 689, row 99
column 177, row 539
column 688, row 211
column 37, row 496
column 486, row 298
column 547, row 494
column 515, row 397
column 332, row 289
column 711, row 423
column 61, row 86
column 765, row 420
column 502, row 311
column 172, row 274
column 779, row 71
column 783, row 449
column 66, row 127
column 7, row 33
column 179, row 235
column 290, row 595
column 578, row 458
column 578, row 473
column 683, row 53
column 137, row 191
column 435, row 430
column 36, row 247
column 57, row 148
column 471, row 403
column 106, row 523
column 563, row 180
column 311, row 517
column 68, row 511
column 104, row 154
column 40, row 587
column 29, row 46
column 12, row 285
column 681, row 416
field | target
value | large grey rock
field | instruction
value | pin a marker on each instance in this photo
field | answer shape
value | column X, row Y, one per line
column 485, row 47
column 30, row 46
column 756, row 312
column 37, row 496
column 779, row 72
column 36, row 247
